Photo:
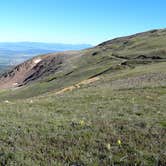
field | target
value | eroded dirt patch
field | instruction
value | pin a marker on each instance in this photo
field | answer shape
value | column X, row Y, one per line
column 78, row 85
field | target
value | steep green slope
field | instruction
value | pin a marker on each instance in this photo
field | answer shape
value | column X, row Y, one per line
column 117, row 119
column 150, row 44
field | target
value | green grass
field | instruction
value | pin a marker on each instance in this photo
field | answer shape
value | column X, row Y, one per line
column 147, row 44
column 77, row 126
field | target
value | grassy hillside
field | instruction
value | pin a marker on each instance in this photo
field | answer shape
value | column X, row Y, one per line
column 150, row 44
column 101, row 108
column 63, row 69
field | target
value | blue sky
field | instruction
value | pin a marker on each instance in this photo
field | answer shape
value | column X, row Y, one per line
column 78, row 21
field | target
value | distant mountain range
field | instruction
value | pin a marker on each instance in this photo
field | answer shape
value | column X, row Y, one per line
column 12, row 53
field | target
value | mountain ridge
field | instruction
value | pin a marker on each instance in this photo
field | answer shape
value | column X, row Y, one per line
column 140, row 48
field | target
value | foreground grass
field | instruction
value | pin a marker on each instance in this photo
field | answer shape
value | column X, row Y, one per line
column 84, row 127
column 109, row 122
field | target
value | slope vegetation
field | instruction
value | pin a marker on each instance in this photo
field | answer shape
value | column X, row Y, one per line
column 100, row 106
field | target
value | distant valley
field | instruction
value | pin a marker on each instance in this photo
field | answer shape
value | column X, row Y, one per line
column 13, row 53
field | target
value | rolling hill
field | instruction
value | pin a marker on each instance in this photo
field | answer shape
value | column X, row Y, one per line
column 142, row 48
column 103, row 105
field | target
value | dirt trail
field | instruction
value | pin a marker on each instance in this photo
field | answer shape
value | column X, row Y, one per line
column 84, row 82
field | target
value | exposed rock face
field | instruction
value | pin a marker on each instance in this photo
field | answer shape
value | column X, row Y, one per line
column 32, row 70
